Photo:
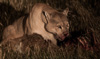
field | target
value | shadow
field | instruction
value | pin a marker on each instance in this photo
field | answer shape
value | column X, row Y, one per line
column 9, row 14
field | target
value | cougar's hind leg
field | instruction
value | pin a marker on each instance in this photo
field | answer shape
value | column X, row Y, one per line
column 9, row 33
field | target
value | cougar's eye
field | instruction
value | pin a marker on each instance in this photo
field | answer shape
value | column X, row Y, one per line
column 59, row 27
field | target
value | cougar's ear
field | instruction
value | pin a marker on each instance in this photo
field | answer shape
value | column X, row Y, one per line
column 45, row 17
column 65, row 12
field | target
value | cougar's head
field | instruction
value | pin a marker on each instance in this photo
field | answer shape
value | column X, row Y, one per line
column 56, row 23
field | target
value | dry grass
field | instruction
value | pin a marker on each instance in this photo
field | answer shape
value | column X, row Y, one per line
column 84, row 40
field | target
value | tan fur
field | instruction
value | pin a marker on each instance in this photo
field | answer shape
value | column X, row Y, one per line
column 42, row 20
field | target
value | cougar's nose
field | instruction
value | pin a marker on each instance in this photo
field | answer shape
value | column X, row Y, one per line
column 66, row 34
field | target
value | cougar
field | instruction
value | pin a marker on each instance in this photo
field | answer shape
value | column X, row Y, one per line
column 44, row 20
